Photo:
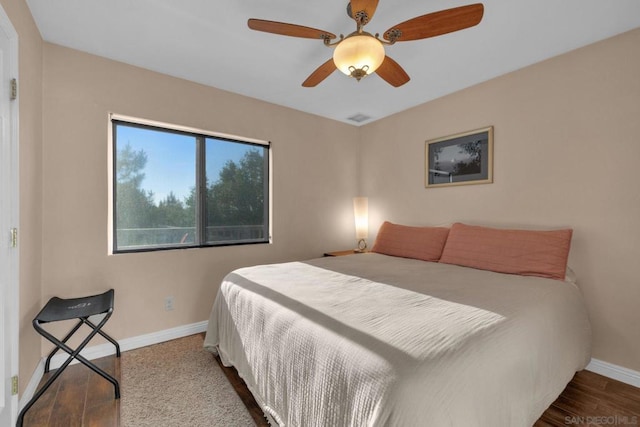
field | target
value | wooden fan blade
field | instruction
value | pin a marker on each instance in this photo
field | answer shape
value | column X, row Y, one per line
column 321, row 73
column 292, row 30
column 392, row 72
column 367, row 6
column 437, row 23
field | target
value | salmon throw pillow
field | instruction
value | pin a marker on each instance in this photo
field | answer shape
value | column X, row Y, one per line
column 524, row 252
column 424, row 243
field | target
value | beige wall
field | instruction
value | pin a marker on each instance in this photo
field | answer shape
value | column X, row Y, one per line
column 567, row 153
column 30, row 134
column 314, row 181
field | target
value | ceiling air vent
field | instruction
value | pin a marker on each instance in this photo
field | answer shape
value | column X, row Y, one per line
column 358, row 118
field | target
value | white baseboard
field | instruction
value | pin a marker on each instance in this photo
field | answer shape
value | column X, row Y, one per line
column 32, row 386
column 107, row 349
column 616, row 372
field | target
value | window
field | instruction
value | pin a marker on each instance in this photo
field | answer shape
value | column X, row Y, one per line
column 179, row 189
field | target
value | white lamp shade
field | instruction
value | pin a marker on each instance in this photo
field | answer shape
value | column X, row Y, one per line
column 358, row 51
column 361, row 214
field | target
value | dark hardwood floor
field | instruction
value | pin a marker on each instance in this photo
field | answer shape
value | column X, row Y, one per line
column 79, row 397
column 593, row 400
column 82, row 398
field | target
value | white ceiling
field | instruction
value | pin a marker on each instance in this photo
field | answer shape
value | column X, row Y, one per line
column 208, row 42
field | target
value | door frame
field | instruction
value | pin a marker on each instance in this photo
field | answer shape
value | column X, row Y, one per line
column 10, row 173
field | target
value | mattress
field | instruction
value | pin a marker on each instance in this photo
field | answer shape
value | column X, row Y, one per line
column 375, row 340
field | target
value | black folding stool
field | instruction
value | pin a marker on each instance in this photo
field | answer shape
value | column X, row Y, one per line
column 58, row 309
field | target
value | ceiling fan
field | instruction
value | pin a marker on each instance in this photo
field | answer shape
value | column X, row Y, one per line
column 360, row 53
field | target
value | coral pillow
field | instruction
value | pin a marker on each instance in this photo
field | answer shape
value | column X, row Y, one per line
column 524, row 252
column 423, row 243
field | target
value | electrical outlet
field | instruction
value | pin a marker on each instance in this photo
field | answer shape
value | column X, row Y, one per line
column 168, row 303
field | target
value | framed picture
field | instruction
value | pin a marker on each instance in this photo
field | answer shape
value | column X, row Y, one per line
column 464, row 158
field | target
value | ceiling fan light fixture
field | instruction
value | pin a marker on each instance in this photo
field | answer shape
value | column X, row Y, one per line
column 358, row 55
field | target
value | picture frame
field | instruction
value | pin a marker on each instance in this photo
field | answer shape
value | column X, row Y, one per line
column 460, row 159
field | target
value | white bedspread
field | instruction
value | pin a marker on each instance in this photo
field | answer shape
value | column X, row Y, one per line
column 372, row 340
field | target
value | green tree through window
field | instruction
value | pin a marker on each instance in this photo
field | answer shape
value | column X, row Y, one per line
column 157, row 208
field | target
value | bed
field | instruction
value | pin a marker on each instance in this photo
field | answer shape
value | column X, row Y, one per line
column 375, row 340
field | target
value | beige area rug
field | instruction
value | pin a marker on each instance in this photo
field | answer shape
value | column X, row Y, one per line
column 177, row 383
